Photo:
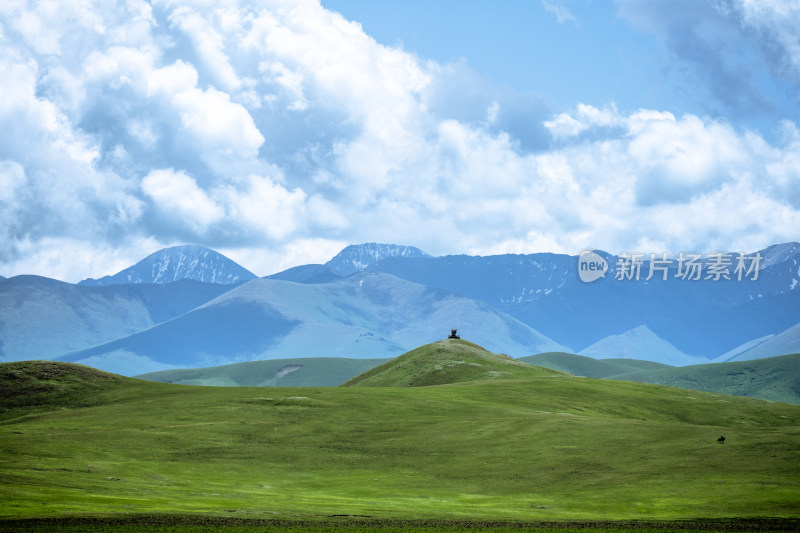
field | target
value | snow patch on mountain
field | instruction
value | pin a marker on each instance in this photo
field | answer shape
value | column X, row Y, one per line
column 779, row 253
column 179, row 262
column 358, row 257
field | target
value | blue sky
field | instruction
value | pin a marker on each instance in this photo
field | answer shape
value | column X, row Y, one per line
column 589, row 56
column 595, row 53
column 279, row 132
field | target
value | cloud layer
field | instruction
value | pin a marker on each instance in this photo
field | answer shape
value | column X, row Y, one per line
column 278, row 132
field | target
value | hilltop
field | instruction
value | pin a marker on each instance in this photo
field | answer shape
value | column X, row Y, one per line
column 32, row 386
column 446, row 361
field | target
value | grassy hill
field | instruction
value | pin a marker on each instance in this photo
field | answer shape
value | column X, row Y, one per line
column 446, row 361
column 581, row 365
column 300, row 372
column 539, row 448
column 31, row 386
column 774, row 378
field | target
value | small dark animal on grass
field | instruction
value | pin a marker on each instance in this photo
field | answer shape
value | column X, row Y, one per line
column 721, row 440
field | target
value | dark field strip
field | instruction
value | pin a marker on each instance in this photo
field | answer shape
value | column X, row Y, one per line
column 167, row 523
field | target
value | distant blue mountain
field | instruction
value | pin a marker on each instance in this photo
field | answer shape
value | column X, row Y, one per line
column 179, row 262
column 641, row 344
column 41, row 318
column 376, row 300
column 358, row 257
column 367, row 315
column 785, row 342
column 703, row 318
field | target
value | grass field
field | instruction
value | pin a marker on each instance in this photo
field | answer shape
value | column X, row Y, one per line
column 580, row 365
column 774, row 378
column 544, row 448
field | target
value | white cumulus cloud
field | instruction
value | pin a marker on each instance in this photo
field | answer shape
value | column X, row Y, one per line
column 180, row 199
column 280, row 131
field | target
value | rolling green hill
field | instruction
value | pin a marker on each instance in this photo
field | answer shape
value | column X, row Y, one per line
column 539, row 448
column 300, row 372
column 30, row 386
column 773, row 378
column 446, row 361
column 580, row 365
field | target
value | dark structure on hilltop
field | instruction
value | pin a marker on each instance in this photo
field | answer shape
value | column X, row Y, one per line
column 453, row 334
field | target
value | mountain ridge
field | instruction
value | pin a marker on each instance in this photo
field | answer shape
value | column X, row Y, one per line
column 358, row 257
column 538, row 293
column 704, row 318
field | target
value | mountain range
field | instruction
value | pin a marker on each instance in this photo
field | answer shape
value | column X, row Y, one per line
column 189, row 306
column 702, row 319
column 364, row 315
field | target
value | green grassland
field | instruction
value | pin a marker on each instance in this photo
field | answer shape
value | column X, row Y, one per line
column 542, row 448
column 77, row 446
column 773, row 378
column 589, row 367
column 298, row 372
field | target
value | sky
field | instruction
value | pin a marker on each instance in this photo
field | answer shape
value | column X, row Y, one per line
column 278, row 132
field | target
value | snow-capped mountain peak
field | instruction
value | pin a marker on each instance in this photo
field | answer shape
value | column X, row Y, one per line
column 179, row 262
column 778, row 253
column 357, row 257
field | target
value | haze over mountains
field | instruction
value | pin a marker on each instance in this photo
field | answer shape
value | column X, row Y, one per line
column 364, row 315
column 189, row 306
column 41, row 318
column 703, row 318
